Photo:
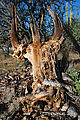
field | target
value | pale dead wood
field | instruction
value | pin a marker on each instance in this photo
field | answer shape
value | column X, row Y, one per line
column 41, row 55
column 42, row 95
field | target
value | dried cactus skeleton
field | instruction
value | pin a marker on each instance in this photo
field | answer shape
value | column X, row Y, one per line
column 47, row 91
column 40, row 54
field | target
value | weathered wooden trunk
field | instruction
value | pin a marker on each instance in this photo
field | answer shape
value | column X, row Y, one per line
column 41, row 55
column 47, row 100
column 47, row 96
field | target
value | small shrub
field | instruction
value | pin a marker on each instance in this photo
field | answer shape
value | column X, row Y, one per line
column 76, row 80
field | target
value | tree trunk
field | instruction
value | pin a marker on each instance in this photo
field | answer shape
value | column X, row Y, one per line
column 71, row 13
column 67, row 12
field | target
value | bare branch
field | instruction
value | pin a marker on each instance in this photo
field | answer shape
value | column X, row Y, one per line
column 58, row 28
column 41, row 20
column 4, row 13
column 35, row 32
column 5, row 7
column 7, row 21
column 14, row 40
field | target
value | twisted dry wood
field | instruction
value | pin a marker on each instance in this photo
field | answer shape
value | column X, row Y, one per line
column 41, row 55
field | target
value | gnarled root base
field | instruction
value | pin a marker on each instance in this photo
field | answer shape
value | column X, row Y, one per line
column 49, row 102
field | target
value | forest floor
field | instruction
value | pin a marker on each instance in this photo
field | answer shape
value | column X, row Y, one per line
column 14, row 78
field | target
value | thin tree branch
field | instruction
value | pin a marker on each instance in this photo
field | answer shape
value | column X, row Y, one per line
column 5, row 7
